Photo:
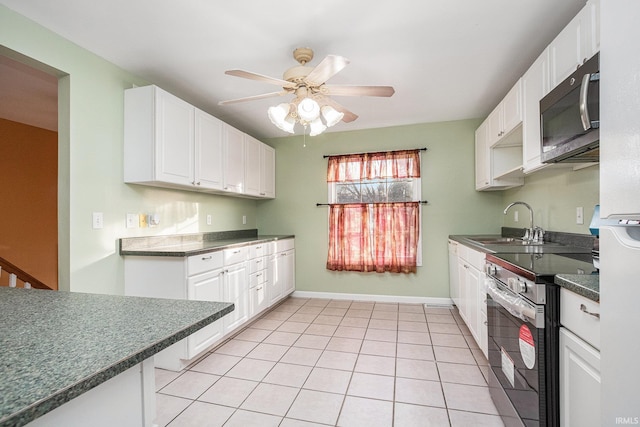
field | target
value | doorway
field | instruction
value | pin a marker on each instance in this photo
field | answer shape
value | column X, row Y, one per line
column 29, row 168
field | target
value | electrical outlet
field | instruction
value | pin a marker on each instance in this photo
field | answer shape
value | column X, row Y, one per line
column 132, row 220
column 209, row 219
column 98, row 220
column 579, row 215
column 142, row 220
column 515, row 216
column 244, row 219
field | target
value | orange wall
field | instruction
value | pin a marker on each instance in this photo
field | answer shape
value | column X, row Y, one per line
column 28, row 200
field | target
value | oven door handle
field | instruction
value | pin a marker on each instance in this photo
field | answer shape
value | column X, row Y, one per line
column 513, row 304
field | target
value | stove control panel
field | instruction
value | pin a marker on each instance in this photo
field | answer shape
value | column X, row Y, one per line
column 517, row 283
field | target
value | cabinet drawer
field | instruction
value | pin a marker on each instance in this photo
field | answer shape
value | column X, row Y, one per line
column 235, row 255
column 574, row 316
column 257, row 264
column 257, row 278
column 259, row 250
column 476, row 259
column 197, row 264
column 285, row 245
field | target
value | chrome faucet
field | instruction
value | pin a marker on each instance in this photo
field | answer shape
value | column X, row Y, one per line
column 532, row 234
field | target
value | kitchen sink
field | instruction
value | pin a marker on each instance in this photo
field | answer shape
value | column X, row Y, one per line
column 513, row 241
column 499, row 241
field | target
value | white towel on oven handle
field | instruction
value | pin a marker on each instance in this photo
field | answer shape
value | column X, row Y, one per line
column 512, row 303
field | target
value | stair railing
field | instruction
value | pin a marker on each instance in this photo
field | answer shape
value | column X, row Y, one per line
column 16, row 273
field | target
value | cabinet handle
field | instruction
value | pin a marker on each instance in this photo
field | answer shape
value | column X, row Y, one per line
column 258, row 261
column 236, row 252
column 259, row 274
column 583, row 308
column 262, row 194
column 259, row 289
column 198, row 183
column 258, row 247
column 486, row 323
column 207, row 258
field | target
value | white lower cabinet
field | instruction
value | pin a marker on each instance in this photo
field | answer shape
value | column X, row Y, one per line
column 244, row 276
column 205, row 287
column 236, row 290
column 580, row 382
column 283, row 274
column 471, row 293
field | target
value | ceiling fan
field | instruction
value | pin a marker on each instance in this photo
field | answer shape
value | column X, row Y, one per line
column 312, row 103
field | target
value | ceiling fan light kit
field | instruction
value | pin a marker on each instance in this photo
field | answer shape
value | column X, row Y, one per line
column 312, row 102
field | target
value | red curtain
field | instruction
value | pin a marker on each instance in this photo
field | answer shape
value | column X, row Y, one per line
column 373, row 237
column 389, row 164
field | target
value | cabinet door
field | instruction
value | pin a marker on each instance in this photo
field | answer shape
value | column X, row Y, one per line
column 268, row 169
column 233, row 159
column 567, row 50
column 473, row 308
column 252, row 166
column 535, row 85
column 482, row 157
column 580, row 384
column 205, row 287
column 495, row 128
column 512, row 108
column 275, row 278
column 454, row 282
column 236, row 291
column 208, row 151
column 289, row 272
column 463, row 298
column 174, row 139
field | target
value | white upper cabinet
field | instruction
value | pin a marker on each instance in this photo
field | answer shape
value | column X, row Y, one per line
column 170, row 143
column 506, row 116
column 158, row 138
column 268, row 172
column 233, row 157
column 499, row 145
column 535, row 85
column 577, row 42
column 252, row 172
column 208, row 147
column 259, row 177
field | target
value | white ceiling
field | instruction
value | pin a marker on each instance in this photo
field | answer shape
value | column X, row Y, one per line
column 446, row 59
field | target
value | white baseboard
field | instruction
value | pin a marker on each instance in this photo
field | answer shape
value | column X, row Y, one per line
column 376, row 298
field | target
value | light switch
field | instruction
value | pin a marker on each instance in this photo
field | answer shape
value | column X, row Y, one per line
column 98, row 220
column 579, row 215
column 132, row 220
column 209, row 219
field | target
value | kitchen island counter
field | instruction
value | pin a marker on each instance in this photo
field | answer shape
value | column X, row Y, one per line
column 59, row 345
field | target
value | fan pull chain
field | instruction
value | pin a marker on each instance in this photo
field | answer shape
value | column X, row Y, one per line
column 304, row 137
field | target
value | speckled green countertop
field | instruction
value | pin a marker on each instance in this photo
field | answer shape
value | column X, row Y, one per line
column 182, row 245
column 58, row 345
column 587, row 285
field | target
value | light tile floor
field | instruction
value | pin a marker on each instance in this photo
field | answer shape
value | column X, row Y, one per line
column 317, row 362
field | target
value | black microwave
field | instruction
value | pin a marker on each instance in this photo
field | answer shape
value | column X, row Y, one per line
column 570, row 117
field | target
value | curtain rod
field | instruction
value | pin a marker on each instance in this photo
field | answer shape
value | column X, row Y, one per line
column 350, row 154
column 422, row 202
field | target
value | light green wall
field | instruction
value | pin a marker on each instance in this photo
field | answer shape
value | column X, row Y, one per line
column 91, row 169
column 91, row 164
column 554, row 195
column 447, row 183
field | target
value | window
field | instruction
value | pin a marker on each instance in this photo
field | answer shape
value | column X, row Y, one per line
column 374, row 212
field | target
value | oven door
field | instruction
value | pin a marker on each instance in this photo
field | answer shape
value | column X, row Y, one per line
column 516, row 352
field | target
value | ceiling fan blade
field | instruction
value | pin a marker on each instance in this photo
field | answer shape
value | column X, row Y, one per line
column 348, row 115
column 253, row 98
column 359, row 90
column 329, row 67
column 261, row 78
